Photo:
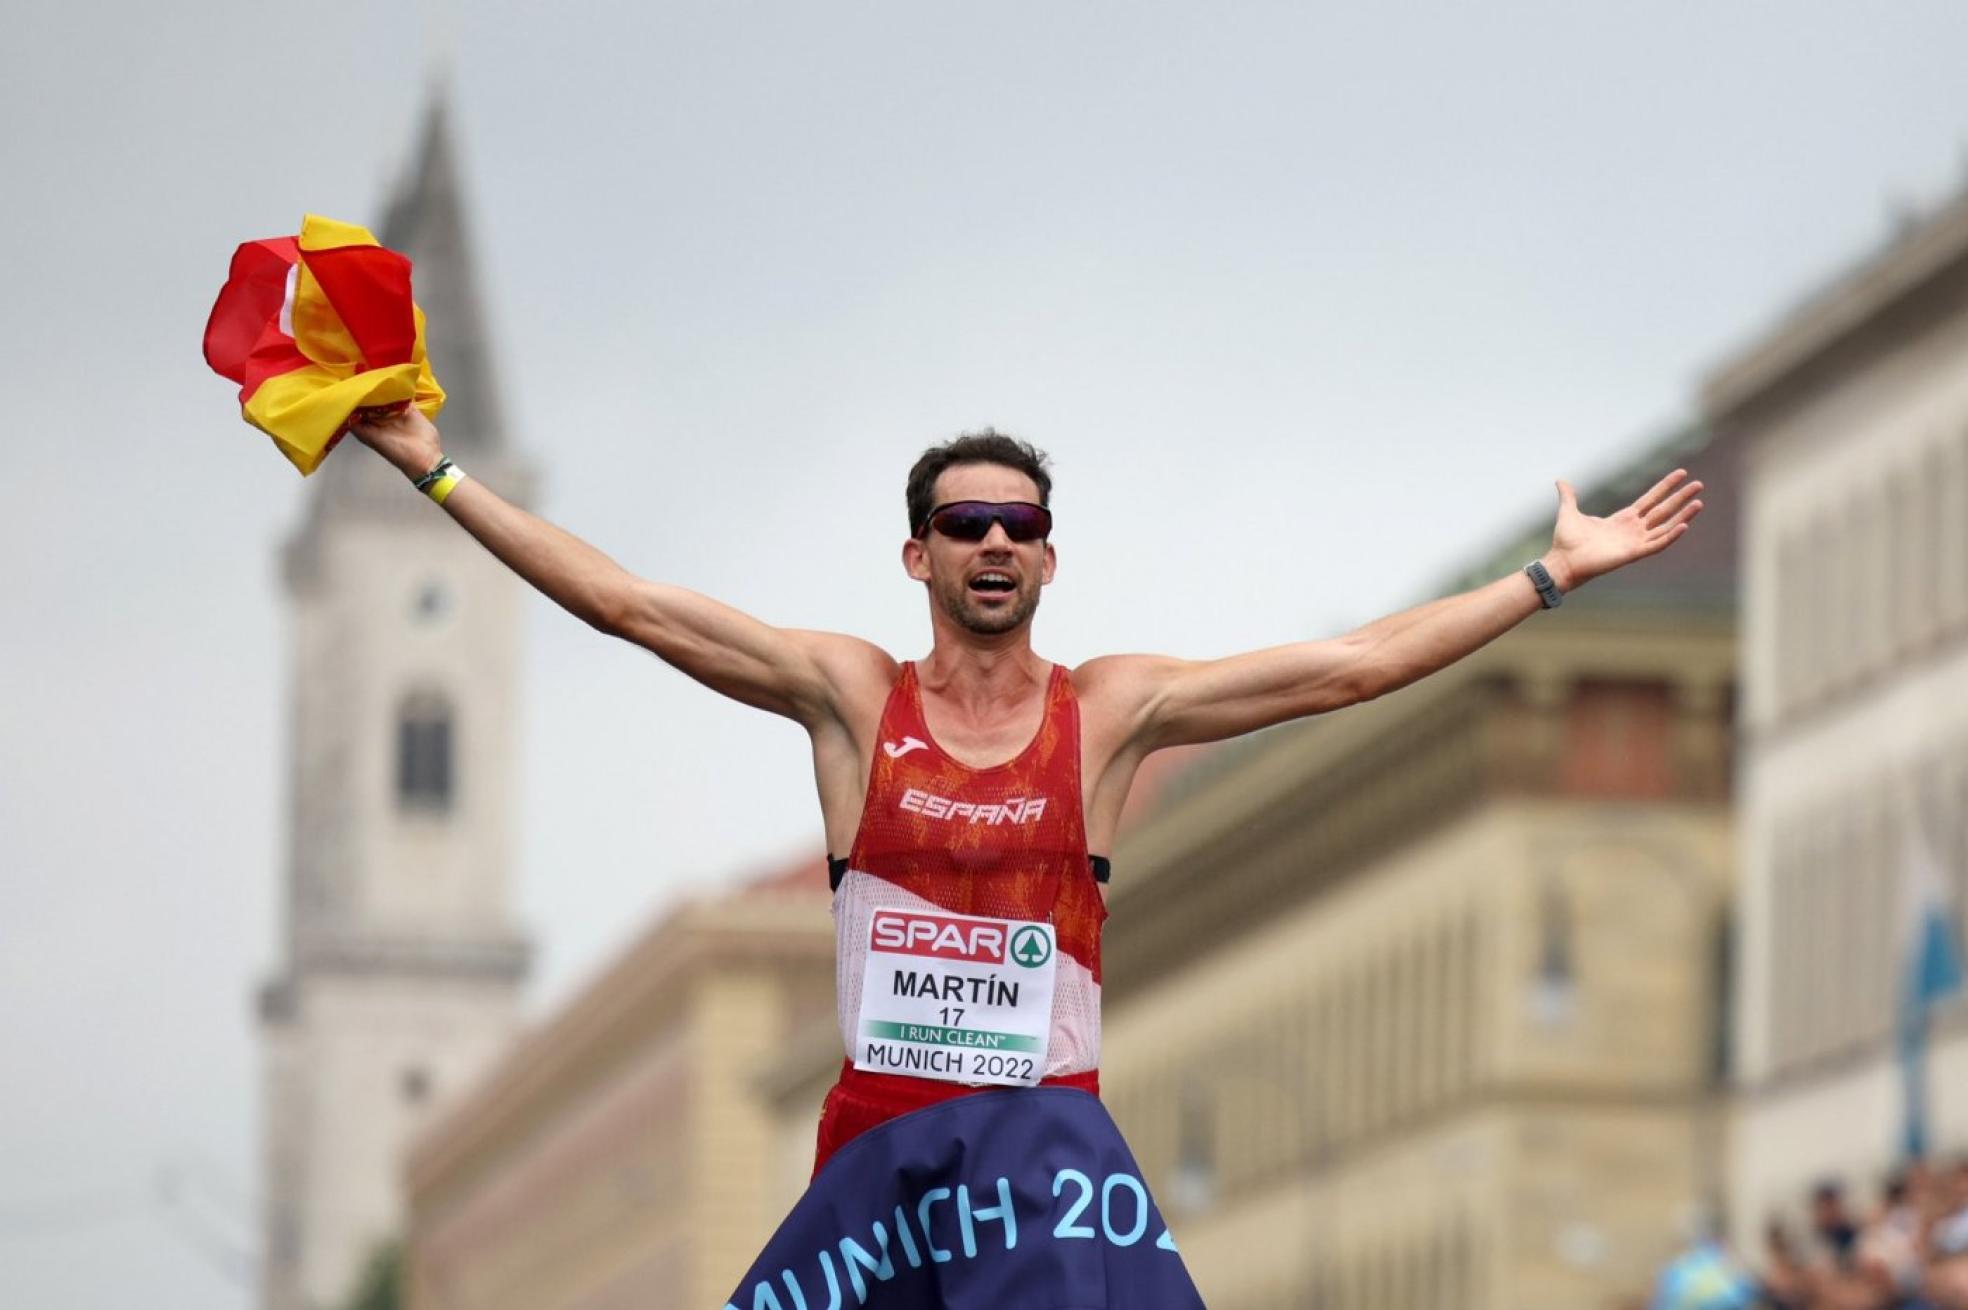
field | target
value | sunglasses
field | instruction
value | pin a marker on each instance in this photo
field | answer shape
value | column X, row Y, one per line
column 971, row 520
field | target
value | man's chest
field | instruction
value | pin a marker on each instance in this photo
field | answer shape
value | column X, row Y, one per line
column 986, row 739
column 933, row 751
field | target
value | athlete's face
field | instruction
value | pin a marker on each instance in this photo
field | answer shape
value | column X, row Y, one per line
column 987, row 586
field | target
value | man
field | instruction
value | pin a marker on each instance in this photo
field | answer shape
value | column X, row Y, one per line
column 1707, row 1275
column 967, row 800
column 1837, row 1232
column 1947, row 1274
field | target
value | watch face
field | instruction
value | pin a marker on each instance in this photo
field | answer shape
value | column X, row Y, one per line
column 434, row 602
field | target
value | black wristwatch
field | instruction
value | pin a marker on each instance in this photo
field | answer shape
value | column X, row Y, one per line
column 1547, row 590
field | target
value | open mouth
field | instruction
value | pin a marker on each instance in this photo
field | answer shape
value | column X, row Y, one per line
column 992, row 584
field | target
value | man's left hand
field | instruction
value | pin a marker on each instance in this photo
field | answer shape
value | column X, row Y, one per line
column 1583, row 547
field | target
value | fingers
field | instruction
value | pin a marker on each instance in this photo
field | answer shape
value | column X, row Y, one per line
column 1658, row 492
column 1659, row 537
column 1567, row 497
column 1665, row 511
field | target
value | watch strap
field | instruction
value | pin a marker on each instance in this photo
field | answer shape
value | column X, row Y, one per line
column 1547, row 590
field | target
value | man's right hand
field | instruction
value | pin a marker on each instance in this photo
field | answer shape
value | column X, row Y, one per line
column 407, row 439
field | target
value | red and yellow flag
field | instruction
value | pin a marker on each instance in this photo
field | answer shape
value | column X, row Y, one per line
column 314, row 328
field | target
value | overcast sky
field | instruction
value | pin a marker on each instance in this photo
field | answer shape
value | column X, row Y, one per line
column 1309, row 303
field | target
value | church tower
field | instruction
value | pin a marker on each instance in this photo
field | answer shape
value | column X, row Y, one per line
column 403, row 964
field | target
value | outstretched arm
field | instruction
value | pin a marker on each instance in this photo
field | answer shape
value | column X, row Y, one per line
column 797, row 674
column 1178, row 702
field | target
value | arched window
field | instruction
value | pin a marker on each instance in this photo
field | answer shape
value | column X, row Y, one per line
column 425, row 778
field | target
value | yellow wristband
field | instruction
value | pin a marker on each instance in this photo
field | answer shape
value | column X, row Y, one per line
column 441, row 488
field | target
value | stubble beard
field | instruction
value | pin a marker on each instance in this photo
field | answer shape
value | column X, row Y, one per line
column 962, row 609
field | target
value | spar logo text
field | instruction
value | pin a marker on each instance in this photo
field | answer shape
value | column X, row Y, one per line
column 938, row 937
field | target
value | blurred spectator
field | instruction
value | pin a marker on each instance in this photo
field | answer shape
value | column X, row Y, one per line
column 1787, row 1281
column 1889, row 1249
column 1947, row 1272
column 1947, row 1275
column 1834, row 1227
column 1910, row 1253
column 1707, row 1276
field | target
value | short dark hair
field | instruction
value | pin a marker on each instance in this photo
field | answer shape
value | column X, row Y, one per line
column 988, row 446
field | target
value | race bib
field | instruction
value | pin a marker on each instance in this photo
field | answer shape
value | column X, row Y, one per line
column 956, row 997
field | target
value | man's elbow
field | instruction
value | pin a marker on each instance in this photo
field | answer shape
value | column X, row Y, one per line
column 1359, row 675
column 616, row 608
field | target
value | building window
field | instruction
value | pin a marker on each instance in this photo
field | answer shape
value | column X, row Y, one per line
column 1887, row 866
column 433, row 603
column 1847, row 875
column 1826, row 653
column 1617, row 739
column 1428, row 1031
column 1813, row 970
column 425, row 777
column 1876, row 608
column 1321, row 1069
column 1924, row 562
column 1896, row 506
column 1376, row 1040
column 1788, row 658
column 1195, row 1149
column 1721, row 988
column 1953, row 835
column 1473, row 1031
column 1554, row 984
column 1783, row 947
column 1796, row 929
column 1953, row 560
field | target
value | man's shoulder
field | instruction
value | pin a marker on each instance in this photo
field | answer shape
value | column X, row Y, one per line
column 1118, row 672
column 853, row 666
column 1120, row 686
column 844, row 647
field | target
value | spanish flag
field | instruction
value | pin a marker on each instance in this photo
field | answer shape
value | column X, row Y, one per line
column 314, row 328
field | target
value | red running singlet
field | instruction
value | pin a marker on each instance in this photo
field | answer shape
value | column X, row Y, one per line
column 1007, row 842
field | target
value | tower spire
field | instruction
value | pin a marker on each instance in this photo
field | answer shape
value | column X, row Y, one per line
column 425, row 218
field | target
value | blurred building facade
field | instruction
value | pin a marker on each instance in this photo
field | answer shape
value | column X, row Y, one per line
column 403, row 965
column 625, row 1153
column 1420, row 1004
column 1852, row 412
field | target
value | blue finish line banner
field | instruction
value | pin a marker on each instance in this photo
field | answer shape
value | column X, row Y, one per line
column 1025, row 1199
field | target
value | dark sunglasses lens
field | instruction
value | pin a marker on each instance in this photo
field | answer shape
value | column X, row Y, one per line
column 971, row 521
column 1025, row 522
column 963, row 522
